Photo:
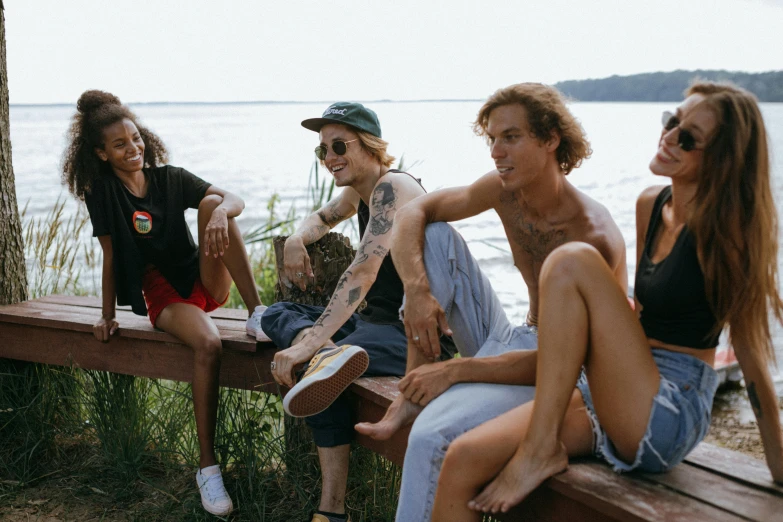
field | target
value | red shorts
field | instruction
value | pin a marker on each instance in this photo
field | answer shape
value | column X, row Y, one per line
column 158, row 293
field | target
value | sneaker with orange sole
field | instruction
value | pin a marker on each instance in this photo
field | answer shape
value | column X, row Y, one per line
column 330, row 372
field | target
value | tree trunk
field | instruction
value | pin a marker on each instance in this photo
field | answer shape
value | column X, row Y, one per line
column 329, row 257
column 13, row 279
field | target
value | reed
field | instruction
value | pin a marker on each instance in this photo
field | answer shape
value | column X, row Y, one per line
column 56, row 250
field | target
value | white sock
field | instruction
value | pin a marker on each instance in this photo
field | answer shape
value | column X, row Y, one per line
column 210, row 470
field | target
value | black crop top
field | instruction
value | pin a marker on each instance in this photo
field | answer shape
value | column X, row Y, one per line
column 671, row 292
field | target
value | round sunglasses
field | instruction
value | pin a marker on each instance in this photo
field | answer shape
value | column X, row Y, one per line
column 339, row 147
column 685, row 139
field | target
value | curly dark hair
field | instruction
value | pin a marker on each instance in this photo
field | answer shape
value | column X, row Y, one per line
column 547, row 114
column 95, row 111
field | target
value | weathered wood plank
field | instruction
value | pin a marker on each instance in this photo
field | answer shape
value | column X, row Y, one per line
column 380, row 390
column 630, row 497
column 714, row 489
column 131, row 356
column 91, row 314
column 95, row 302
column 546, row 504
column 131, row 326
column 734, row 465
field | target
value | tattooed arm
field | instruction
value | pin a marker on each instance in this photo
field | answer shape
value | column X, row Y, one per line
column 391, row 192
column 764, row 400
column 297, row 267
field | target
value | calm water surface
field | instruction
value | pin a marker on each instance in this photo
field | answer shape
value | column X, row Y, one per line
column 259, row 150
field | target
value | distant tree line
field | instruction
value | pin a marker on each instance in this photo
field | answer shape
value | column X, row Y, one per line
column 669, row 86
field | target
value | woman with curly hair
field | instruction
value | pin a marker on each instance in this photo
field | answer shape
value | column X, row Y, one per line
column 636, row 388
column 137, row 204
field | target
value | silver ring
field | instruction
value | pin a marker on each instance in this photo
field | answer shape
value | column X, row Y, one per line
column 299, row 275
column 272, row 365
column 416, row 338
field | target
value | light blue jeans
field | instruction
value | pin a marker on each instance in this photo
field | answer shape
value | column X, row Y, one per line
column 480, row 329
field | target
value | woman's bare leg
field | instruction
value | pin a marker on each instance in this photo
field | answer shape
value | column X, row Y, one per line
column 584, row 319
column 218, row 272
column 193, row 327
column 485, row 449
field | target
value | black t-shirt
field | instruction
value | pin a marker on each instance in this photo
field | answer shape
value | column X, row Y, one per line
column 149, row 230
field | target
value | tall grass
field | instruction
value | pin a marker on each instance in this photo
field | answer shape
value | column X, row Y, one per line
column 35, row 409
column 56, row 252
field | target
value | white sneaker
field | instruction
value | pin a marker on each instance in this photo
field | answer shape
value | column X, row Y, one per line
column 253, row 325
column 214, row 496
column 330, row 372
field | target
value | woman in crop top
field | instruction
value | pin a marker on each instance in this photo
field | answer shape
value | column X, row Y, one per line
column 137, row 205
column 636, row 388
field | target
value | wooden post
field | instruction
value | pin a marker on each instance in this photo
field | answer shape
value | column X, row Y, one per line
column 329, row 257
column 13, row 277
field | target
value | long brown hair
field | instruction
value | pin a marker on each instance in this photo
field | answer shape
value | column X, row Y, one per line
column 735, row 221
column 546, row 114
column 95, row 111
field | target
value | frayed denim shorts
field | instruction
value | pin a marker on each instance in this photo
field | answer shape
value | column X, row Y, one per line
column 679, row 418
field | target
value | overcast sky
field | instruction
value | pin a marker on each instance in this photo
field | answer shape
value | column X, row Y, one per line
column 242, row 50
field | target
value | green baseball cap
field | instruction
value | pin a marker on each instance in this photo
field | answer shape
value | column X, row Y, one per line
column 352, row 114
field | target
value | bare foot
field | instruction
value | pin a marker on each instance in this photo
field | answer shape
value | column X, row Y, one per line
column 400, row 412
column 524, row 472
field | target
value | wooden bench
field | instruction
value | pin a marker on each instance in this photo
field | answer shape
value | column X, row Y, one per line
column 713, row 484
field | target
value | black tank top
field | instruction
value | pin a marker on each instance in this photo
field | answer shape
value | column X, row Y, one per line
column 385, row 295
column 674, row 302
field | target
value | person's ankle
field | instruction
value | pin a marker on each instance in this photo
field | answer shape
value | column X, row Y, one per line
column 260, row 308
column 332, row 514
column 298, row 337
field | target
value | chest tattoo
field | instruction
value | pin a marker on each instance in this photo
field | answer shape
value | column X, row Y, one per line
column 534, row 242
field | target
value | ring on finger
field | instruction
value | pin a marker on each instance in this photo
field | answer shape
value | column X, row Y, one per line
column 299, row 275
column 416, row 338
column 272, row 365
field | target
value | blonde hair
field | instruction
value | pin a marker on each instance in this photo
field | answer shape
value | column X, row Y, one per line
column 376, row 147
column 546, row 115
column 734, row 219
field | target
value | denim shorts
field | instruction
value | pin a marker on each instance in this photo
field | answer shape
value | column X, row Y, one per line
column 679, row 418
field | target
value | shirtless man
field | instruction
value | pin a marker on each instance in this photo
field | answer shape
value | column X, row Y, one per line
column 535, row 142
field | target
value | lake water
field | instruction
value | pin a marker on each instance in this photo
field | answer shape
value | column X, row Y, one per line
column 257, row 150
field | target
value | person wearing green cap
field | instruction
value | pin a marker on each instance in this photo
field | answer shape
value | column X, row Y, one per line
column 372, row 341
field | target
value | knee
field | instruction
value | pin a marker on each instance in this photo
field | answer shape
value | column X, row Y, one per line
column 422, row 435
column 460, row 456
column 209, row 349
column 208, row 204
column 569, row 262
column 460, row 453
column 272, row 314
